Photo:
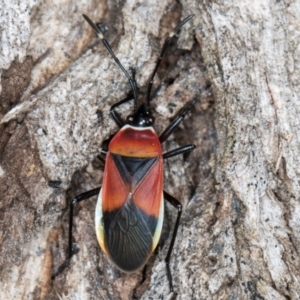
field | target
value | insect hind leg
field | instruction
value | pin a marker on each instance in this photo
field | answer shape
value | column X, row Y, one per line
column 71, row 250
column 177, row 205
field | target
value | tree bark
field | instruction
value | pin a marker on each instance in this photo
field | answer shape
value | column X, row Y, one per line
column 238, row 237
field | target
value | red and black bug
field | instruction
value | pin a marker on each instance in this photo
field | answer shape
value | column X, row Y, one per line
column 130, row 206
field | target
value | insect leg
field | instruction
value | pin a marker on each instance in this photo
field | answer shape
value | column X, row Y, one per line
column 116, row 117
column 178, row 151
column 175, row 123
column 101, row 158
column 103, row 152
column 163, row 51
column 98, row 32
column 178, row 205
column 71, row 252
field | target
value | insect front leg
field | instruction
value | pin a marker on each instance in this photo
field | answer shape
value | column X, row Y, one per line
column 175, row 123
column 115, row 115
column 177, row 205
column 103, row 152
column 71, row 252
column 101, row 158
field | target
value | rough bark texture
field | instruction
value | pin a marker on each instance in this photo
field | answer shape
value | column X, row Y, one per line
column 239, row 234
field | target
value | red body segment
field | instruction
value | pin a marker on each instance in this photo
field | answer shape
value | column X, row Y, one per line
column 133, row 142
column 147, row 196
column 146, row 193
column 114, row 189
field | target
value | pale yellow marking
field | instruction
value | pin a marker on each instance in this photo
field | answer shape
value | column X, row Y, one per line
column 99, row 223
column 157, row 232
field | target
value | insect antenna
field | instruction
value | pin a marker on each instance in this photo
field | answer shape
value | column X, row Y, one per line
column 100, row 34
column 163, row 51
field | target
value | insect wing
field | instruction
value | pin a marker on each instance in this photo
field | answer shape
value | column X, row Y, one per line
column 129, row 211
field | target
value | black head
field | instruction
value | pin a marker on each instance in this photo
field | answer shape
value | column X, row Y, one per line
column 142, row 117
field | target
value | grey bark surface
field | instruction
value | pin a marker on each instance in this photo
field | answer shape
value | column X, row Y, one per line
column 239, row 234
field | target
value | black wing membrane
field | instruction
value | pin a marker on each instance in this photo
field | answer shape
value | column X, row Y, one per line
column 129, row 236
column 133, row 169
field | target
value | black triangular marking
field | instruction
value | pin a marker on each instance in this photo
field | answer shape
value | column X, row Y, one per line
column 126, row 176
column 133, row 169
column 133, row 164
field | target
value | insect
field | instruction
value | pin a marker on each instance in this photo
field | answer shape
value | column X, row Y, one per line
column 130, row 207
